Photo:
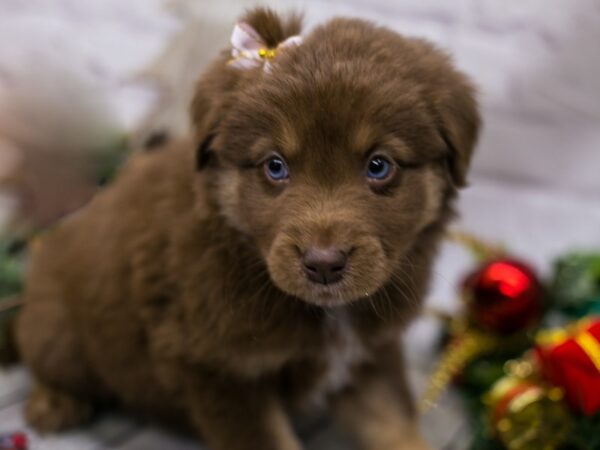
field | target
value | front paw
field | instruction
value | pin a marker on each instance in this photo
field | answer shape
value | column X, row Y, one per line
column 415, row 444
column 51, row 411
column 399, row 443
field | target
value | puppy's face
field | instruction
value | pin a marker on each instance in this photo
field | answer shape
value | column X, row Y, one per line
column 333, row 171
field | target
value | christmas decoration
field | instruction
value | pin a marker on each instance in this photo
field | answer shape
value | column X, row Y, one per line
column 570, row 358
column 502, row 297
column 11, row 268
column 525, row 414
column 526, row 386
column 15, row 441
column 576, row 284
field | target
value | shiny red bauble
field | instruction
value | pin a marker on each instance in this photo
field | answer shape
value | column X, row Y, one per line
column 504, row 296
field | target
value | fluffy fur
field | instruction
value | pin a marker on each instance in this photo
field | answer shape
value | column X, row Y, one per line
column 179, row 292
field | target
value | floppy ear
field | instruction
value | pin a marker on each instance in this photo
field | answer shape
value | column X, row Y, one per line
column 204, row 129
column 205, row 153
column 459, row 125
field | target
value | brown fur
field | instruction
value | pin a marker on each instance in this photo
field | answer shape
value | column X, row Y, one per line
column 178, row 292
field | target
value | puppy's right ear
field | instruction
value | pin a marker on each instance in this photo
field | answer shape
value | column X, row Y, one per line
column 204, row 119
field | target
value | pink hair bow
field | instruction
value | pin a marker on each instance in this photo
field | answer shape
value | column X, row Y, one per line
column 250, row 50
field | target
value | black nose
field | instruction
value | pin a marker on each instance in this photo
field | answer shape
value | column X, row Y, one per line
column 324, row 265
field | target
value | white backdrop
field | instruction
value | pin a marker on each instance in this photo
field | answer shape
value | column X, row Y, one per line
column 536, row 61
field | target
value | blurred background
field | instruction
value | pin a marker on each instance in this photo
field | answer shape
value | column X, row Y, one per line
column 79, row 78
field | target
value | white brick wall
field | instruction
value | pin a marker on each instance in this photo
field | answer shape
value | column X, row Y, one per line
column 536, row 61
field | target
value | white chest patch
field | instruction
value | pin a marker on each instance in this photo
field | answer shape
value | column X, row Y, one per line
column 344, row 351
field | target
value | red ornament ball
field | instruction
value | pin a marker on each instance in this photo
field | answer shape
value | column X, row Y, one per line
column 14, row 441
column 504, row 296
column 20, row 441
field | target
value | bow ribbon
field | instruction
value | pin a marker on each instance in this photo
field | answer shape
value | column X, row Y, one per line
column 579, row 332
column 250, row 50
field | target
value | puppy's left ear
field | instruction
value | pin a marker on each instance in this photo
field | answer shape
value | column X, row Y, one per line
column 459, row 123
column 204, row 152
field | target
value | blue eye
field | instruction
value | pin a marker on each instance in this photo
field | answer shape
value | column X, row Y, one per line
column 276, row 169
column 379, row 169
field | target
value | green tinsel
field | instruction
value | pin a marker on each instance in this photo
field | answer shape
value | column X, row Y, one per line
column 575, row 287
column 11, row 279
column 106, row 163
column 11, row 267
column 584, row 436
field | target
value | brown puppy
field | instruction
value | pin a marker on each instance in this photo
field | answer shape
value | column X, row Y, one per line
column 273, row 264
